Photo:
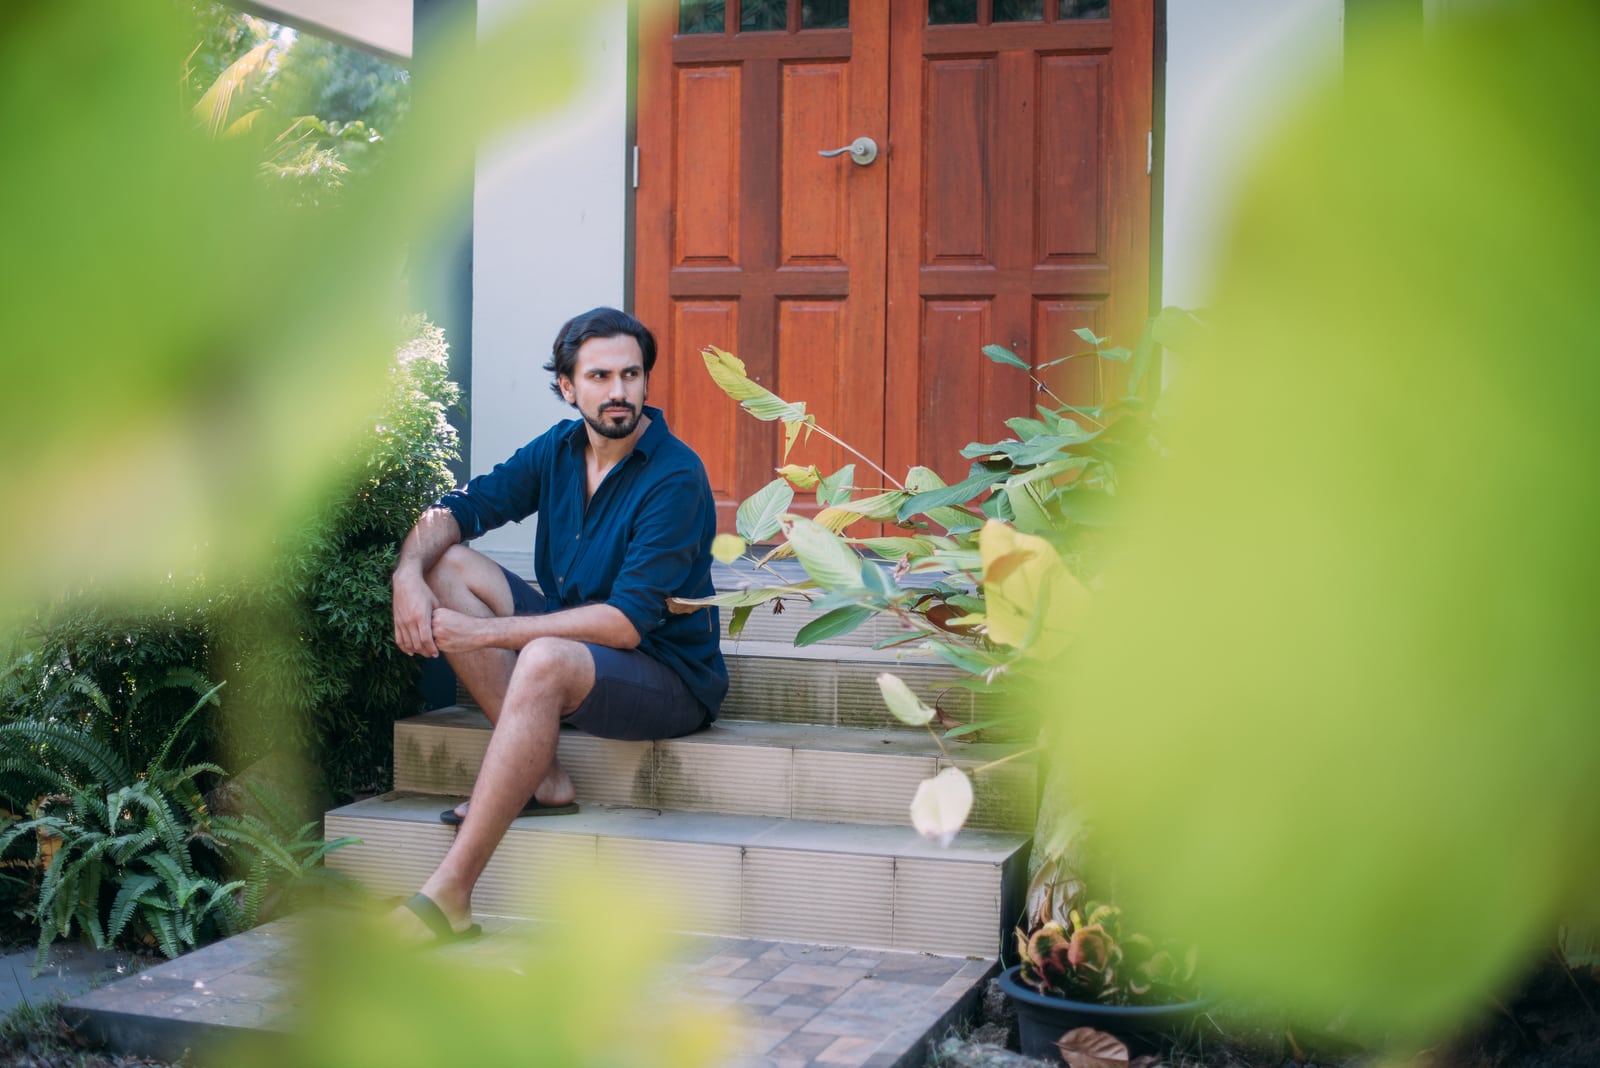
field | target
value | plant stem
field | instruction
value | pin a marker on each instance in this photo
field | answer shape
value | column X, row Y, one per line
column 1005, row 759
column 859, row 455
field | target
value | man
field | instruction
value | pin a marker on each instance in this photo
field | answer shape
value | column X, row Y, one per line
column 626, row 519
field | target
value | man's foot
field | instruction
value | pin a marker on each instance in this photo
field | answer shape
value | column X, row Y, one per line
column 421, row 922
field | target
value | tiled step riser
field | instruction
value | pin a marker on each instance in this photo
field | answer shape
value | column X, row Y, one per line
column 744, row 779
column 904, row 903
column 810, row 686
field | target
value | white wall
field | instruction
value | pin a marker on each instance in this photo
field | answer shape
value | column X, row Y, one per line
column 1234, row 67
column 548, row 242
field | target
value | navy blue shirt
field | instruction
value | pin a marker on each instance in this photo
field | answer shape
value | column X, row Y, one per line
column 645, row 536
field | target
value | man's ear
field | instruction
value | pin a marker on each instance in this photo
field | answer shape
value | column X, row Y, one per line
column 566, row 388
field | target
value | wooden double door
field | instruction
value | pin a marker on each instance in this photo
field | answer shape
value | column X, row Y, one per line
column 1008, row 202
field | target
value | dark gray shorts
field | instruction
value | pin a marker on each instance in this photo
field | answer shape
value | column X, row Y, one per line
column 635, row 697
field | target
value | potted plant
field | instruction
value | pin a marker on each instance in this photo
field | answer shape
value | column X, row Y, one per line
column 1087, row 973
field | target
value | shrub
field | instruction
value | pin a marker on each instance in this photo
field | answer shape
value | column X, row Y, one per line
column 311, row 646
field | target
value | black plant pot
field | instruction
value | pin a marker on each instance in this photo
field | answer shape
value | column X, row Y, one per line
column 1044, row 1018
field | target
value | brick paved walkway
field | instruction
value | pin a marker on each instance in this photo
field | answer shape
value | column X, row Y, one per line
column 797, row 1004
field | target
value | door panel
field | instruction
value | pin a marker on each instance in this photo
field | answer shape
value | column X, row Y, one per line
column 749, row 240
column 1009, row 204
column 1021, row 147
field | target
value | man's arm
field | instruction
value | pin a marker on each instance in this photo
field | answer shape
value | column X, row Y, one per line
column 414, row 602
column 601, row 624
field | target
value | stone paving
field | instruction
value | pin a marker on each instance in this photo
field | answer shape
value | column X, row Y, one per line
column 797, row 1004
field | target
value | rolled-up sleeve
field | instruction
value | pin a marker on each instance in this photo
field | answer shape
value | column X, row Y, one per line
column 507, row 494
column 663, row 543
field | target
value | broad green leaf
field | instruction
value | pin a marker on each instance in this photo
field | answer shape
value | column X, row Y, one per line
column 922, row 479
column 761, row 515
column 997, row 506
column 834, row 624
column 880, row 507
column 739, row 598
column 903, row 704
column 1088, row 335
column 976, row 449
column 895, row 548
column 1118, row 353
column 1042, row 449
column 1026, row 508
column 738, row 619
column 1027, row 428
column 1001, row 354
column 1049, row 470
column 877, row 580
column 965, row 657
column 949, row 560
column 959, row 493
column 824, row 555
column 835, row 488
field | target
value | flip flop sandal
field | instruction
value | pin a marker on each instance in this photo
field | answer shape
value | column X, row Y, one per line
column 532, row 808
column 433, row 918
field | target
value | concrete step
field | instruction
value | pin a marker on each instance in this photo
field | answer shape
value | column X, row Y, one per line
column 792, row 1002
column 745, row 876
column 834, row 685
column 738, row 767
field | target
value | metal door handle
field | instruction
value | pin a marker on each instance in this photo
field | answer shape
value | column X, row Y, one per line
column 863, row 150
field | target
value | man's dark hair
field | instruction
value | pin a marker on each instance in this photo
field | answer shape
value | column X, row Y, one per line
column 596, row 322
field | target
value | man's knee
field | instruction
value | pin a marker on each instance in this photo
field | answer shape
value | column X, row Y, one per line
column 462, row 576
column 560, row 666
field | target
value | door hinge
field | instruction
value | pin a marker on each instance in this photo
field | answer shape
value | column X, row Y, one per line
column 636, row 166
column 1149, row 155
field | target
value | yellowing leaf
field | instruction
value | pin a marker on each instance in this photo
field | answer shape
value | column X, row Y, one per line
column 941, row 806
column 904, row 705
column 802, row 478
column 1033, row 599
column 726, row 548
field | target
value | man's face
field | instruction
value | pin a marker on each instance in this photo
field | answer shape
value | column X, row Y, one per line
column 608, row 385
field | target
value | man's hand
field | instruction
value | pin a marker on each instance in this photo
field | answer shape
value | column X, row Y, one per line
column 414, row 605
column 457, row 632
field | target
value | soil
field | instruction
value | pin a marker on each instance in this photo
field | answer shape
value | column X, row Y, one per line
column 1553, row 1021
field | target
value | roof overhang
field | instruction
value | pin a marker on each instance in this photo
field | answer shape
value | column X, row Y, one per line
column 382, row 27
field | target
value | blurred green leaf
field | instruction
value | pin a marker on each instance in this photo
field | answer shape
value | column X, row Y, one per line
column 184, row 349
column 1360, row 690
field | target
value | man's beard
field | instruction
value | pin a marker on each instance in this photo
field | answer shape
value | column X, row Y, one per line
column 608, row 429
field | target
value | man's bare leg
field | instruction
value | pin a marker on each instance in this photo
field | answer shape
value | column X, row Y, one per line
column 470, row 583
column 551, row 678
